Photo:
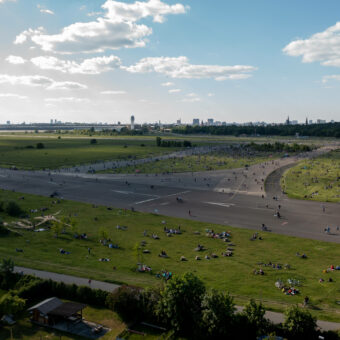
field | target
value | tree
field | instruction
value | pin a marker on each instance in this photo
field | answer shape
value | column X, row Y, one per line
column 11, row 304
column 93, row 141
column 218, row 314
column 180, row 303
column 300, row 324
column 158, row 141
column 126, row 302
column 13, row 209
column 40, row 146
column 7, row 266
column 254, row 314
column 57, row 227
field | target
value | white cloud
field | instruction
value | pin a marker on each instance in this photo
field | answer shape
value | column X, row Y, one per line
column 113, row 92
column 191, row 100
column 181, row 68
column 87, row 66
column 325, row 79
column 13, row 59
column 67, row 100
column 40, row 81
column 12, row 95
column 46, row 11
column 323, row 47
column 3, row 1
column 94, row 14
column 192, row 94
column 28, row 34
column 210, row 94
column 116, row 29
column 66, row 85
column 174, row 90
column 167, row 84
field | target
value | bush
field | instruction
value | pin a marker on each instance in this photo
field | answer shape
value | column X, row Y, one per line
column 40, row 146
column 11, row 304
column 93, row 141
column 126, row 301
column 299, row 324
column 256, row 323
column 218, row 314
column 180, row 303
column 1, row 206
column 13, row 209
column 3, row 229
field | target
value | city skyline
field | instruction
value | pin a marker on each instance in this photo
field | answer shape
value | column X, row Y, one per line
column 105, row 60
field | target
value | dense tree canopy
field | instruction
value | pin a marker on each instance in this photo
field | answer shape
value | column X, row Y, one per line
column 317, row 130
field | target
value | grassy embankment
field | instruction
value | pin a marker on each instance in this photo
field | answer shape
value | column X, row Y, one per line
column 233, row 274
column 315, row 179
column 194, row 163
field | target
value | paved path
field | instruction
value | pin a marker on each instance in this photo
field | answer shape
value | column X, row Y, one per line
column 110, row 287
column 68, row 279
column 279, row 318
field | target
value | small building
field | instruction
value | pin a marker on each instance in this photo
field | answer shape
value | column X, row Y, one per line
column 51, row 311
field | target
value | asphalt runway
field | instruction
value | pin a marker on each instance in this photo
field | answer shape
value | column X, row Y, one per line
column 228, row 197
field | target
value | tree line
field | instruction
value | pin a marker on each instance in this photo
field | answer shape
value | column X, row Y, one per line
column 183, row 305
column 313, row 130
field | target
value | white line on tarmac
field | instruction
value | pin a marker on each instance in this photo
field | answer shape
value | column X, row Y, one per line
column 134, row 193
column 156, row 198
column 221, row 204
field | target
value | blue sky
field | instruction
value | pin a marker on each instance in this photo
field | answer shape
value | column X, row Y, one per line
column 103, row 60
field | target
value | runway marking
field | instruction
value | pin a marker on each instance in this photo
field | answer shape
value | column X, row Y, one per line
column 284, row 223
column 226, row 205
column 158, row 197
column 149, row 200
column 134, row 193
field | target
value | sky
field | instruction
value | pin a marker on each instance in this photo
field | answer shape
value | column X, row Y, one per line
column 163, row 60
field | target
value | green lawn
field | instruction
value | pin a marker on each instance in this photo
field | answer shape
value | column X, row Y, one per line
column 66, row 152
column 25, row 330
column 316, row 179
column 212, row 161
column 233, row 274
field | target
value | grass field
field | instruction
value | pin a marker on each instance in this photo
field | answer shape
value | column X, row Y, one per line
column 64, row 152
column 25, row 330
column 213, row 161
column 316, row 179
column 233, row 274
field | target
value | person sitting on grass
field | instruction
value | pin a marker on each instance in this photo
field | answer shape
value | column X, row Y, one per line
column 163, row 254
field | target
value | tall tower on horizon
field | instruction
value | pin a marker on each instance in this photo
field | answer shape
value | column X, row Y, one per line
column 132, row 122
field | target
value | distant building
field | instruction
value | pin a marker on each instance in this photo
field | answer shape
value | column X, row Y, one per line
column 210, row 121
column 132, row 122
column 51, row 121
column 287, row 121
column 179, row 122
column 310, row 121
column 294, row 122
column 195, row 121
column 8, row 122
column 320, row 121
